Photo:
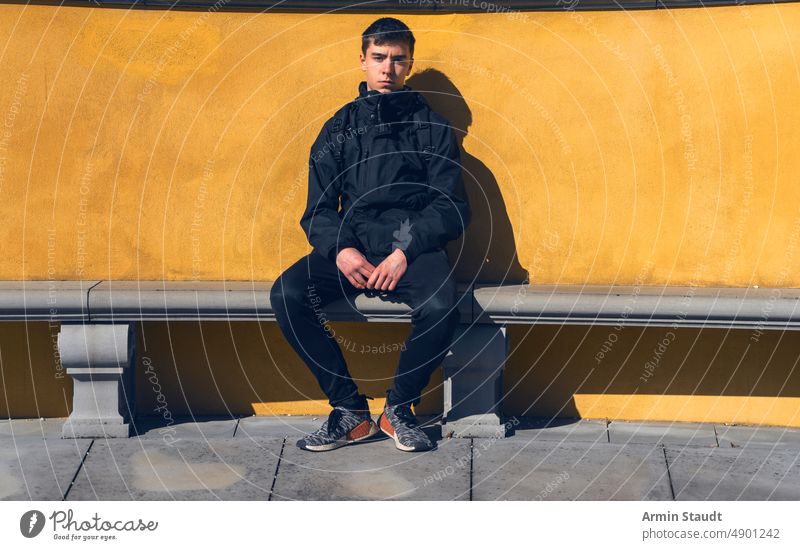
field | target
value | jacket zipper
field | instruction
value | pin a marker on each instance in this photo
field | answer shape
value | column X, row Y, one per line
column 363, row 176
column 365, row 156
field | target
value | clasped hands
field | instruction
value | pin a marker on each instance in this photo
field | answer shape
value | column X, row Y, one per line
column 362, row 274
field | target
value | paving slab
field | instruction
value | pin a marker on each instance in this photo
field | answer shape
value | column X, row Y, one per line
column 758, row 436
column 32, row 427
column 538, row 470
column 154, row 427
column 560, row 429
column 291, row 427
column 675, row 433
column 375, row 470
column 35, row 468
column 189, row 469
column 734, row 474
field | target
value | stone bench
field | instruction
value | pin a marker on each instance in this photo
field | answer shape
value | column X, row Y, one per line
column 98, row 319
column 671, row 306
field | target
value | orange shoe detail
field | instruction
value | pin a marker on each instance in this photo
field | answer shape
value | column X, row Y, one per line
column 362, row 430
column 384, row 424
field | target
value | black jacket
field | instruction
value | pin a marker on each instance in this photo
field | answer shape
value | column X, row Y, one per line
column 391, row 197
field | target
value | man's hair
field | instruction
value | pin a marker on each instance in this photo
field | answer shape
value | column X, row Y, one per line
column 387, row 30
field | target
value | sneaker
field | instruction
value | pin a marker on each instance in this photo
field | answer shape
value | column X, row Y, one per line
column 399, row 423
column 342, row 428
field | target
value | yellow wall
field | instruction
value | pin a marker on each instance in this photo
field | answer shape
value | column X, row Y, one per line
column 665, row 374
column 33, row 383
column 641, row 147
column 246, row 368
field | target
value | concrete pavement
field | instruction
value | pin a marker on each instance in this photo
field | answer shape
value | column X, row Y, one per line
column 255, row 458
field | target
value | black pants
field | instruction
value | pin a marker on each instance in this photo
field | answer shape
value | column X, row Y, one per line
column 313, row 281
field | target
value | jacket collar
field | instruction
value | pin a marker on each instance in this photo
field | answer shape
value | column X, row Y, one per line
column 390, row 106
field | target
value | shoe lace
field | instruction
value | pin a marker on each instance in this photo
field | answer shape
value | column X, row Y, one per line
column 403, row 412
column 333, row 420
column 335, row 417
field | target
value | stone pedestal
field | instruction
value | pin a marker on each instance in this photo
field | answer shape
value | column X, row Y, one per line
column 100, row 359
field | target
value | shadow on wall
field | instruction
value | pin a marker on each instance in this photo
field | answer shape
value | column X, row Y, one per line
column 487, row 252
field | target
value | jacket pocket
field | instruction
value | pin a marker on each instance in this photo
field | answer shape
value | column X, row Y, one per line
column 382, row 232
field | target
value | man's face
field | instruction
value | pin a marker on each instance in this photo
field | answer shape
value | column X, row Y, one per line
column 386, row 66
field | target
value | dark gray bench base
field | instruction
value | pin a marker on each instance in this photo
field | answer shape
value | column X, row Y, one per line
column 473, row 382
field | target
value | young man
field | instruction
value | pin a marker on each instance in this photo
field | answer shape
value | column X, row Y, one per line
column 395, row 166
